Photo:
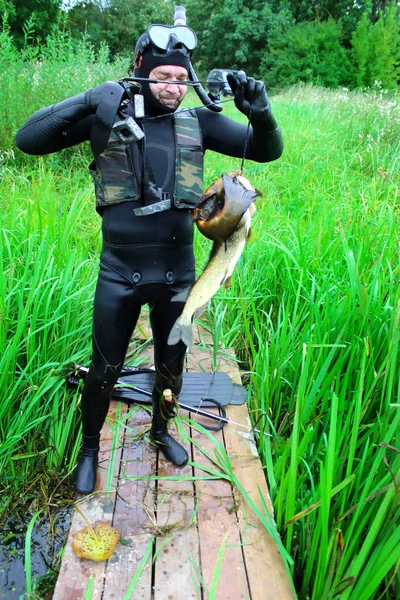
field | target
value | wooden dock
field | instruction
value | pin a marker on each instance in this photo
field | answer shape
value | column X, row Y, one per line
column 187, row 538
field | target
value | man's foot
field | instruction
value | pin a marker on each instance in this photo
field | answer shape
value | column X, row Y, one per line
column 86, row 473
column 86, row 470
column 171, row 449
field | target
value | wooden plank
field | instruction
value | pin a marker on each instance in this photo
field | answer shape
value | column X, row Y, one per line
column 131, row 518
column 177, row 542
column 271, row 581
column 171, row 516
column 141, row 347
column 198, row 360
column 75, row 572
column 217, row 525
column 217, row 520
column 251, row 567
column 259, row 547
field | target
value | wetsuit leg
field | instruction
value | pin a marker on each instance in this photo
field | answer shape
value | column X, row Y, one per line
column 169, row 364
column 116, row 311
column 168, row 360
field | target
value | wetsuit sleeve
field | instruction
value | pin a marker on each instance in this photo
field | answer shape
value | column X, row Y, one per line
column 56, row 127
column 266, row 142
column 226, row 136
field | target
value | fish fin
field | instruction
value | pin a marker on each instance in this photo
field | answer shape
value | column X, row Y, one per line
column 233, row 187
column 201, row 211
column 259, row 193
column 227, row 282
column 181, row 296
column 199, row 311
column 235, row 173
column 227, row 276
column 248, row 236
column 181, row 331
column 215, row 247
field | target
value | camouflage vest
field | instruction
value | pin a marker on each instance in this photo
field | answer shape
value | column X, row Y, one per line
column 115, row 182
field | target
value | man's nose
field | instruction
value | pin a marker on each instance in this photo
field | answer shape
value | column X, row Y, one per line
column 172, row 86
column 172, row 89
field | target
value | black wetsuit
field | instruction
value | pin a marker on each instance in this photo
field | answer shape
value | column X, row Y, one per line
column 145, row 259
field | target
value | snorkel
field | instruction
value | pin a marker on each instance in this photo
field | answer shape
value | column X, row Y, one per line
column 175, row 45
column 207, row 99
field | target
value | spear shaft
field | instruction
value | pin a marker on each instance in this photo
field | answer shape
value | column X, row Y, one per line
column 174, row 82
column 193, row 409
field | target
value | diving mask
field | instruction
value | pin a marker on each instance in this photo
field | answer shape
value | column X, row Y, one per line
column 165, row 36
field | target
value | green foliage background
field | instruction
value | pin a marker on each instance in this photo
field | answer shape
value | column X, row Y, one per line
column 313, row 312
column 329, row 43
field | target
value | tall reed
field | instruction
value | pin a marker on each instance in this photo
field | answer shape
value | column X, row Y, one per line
column 46, row 284
column 39, row 76
column 314, row 313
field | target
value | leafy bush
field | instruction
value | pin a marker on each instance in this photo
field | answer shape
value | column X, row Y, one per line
column 35, row 77
column 376, row 51
column 42, row 13
column 306, row 52
column 244, row 30
column 119, row 23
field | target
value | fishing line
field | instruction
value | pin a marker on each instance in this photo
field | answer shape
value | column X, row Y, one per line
column 146, row 119
column 192, row 84
column 246, row 142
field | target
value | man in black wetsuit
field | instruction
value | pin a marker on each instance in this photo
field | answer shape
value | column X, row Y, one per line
column 146, row 188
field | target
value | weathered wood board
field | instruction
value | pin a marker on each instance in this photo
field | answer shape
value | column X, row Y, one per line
column 199, row 534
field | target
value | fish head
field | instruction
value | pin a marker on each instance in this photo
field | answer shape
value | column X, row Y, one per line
column 223, row 204
column 212, row 201
column 209, row 205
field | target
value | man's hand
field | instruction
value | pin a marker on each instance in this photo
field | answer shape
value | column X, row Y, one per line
column 94, row 96
column 250, row 96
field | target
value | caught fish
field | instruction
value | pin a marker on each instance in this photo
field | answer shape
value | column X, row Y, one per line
column 225, row 253
column 219, row 210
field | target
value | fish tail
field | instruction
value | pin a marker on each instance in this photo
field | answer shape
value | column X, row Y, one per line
column 182, row 330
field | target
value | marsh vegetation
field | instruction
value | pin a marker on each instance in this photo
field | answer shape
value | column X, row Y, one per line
column 313, row 314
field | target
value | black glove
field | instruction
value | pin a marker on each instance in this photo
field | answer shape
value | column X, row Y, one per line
column 93, row 96
column 250, row 96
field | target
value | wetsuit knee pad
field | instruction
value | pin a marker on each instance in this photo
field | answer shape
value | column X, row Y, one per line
column 101, row 380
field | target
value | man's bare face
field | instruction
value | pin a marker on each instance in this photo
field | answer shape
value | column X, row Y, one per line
column 168, row 94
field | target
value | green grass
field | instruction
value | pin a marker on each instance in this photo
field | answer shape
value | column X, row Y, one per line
column 313, row 314
column 46, row 286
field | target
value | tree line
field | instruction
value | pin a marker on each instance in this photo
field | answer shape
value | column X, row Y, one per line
column 328, row 42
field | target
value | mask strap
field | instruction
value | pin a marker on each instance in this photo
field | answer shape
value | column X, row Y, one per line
column 137, row 63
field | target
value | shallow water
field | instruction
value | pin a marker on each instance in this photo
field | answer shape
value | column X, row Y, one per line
column 47, row 540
